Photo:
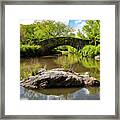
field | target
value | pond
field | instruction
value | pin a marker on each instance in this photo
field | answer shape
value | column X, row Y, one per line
column 29, row 66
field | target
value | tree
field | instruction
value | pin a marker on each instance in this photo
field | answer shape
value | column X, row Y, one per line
column 90, row 31
column 45, row 29
column 50, row 29
column 26, row 33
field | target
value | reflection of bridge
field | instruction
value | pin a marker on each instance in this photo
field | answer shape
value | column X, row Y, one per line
column 51, row 43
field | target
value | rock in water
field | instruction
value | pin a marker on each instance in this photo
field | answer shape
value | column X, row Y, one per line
column 58, row 78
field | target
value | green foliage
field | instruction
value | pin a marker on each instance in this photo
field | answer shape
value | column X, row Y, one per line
column 61, row 48
column 30, row 50
column 72, row 49
column 32, row 34
column 27, row 34
column 90, row 51
column 45, row 29
column 90, row 63
column 65, row 49
column 90, row 31
column 97, row 51
column 31, row 66
column 51, row 29
column 28, row 68
column 67, row 61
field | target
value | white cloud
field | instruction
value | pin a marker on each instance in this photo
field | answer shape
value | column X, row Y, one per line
column 81, row 25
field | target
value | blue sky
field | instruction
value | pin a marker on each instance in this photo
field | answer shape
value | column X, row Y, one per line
column 76, row 24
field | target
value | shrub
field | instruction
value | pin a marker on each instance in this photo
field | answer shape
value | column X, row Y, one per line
column 30, row 50
column 90, row 51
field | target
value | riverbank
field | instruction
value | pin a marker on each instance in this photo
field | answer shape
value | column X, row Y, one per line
column 29, row 66
column 89, row 51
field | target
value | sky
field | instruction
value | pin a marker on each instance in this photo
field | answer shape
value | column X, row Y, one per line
column 75, row 24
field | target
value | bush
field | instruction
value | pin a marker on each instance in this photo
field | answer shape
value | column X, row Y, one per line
column 30, row 50
column 90, row 51
column 97, row 52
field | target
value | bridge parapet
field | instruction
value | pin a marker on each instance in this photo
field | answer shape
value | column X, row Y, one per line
column 55, row 42
column 52, row 43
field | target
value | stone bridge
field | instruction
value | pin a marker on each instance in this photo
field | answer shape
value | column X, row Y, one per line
column 48, row 44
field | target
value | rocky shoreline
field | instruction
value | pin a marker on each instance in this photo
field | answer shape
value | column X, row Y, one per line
column 59, row 77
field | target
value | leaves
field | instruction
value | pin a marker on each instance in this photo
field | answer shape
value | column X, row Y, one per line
column 45, row 29
column 90, row 51
column 30, row 50
column 90, row 31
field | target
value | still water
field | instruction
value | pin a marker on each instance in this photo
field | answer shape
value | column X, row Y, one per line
column 31, row 65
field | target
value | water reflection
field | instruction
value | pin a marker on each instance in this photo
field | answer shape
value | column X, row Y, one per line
column 28, row 66
column 79, row 94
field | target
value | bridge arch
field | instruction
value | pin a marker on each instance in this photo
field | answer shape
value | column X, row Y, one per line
column 49, row 44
